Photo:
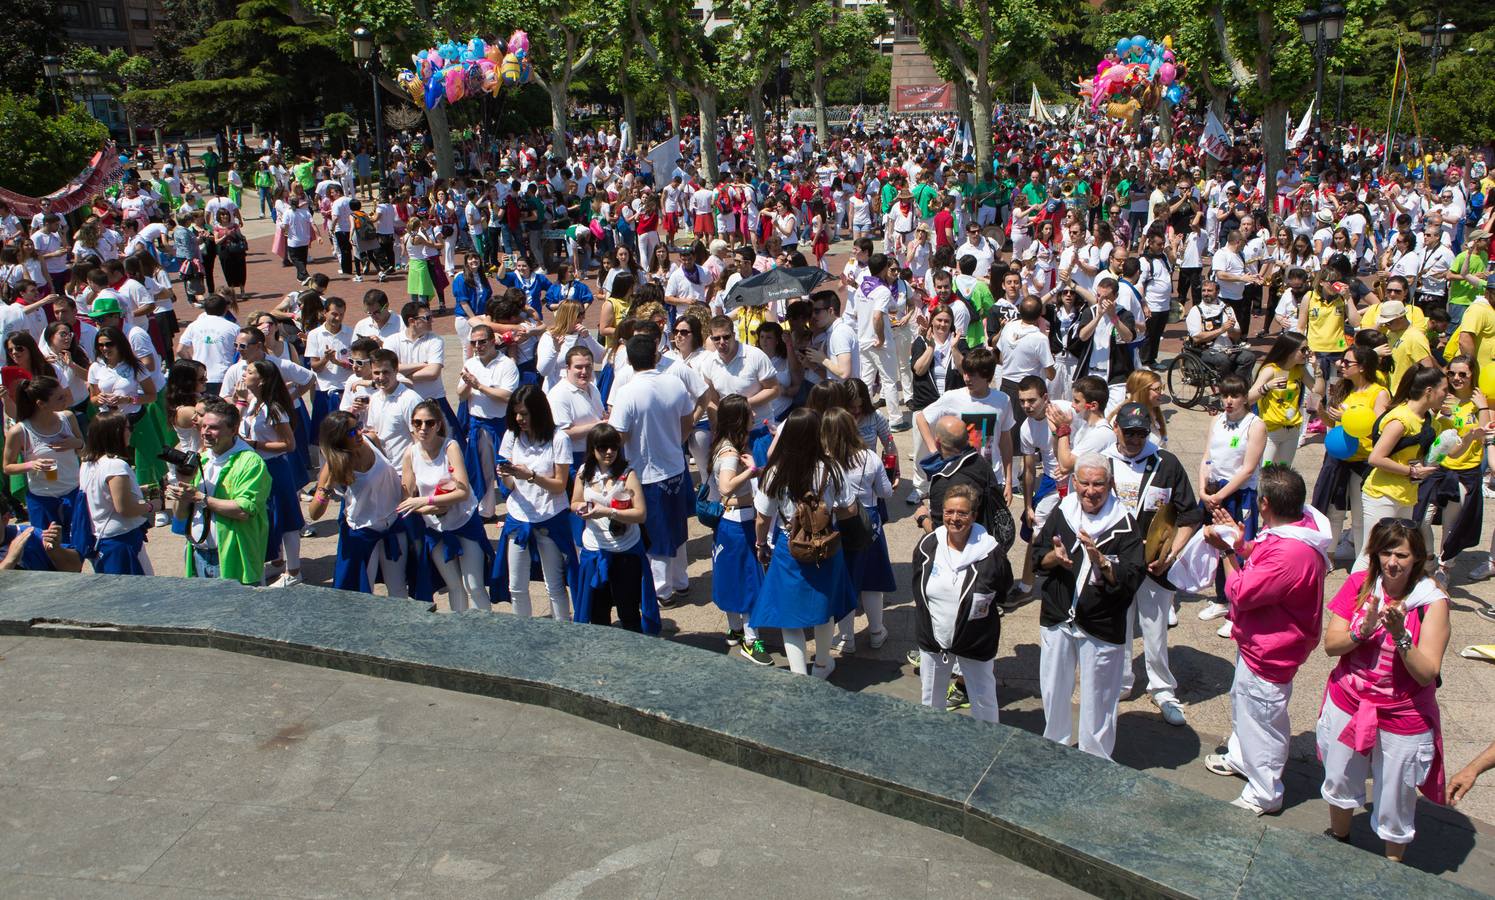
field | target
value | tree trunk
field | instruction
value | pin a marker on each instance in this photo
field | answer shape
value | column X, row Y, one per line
column 630, row 118
column 1165, row 123
column 558, row 89
column 817, row 93
column 981, row 102
column 706, row 104
column 441, row 141
column 760, row 129
column 963, row 100
column 674, row 100
column 1274, row 146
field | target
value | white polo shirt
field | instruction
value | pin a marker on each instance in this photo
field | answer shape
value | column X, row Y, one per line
column 501, row 373
column 742, row 375
column 648, row 410
column 319, row 340
column 211, row 339
column 421, row 351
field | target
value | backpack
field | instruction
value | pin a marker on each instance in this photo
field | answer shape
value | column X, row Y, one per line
column 812, row 537
column 363, row 227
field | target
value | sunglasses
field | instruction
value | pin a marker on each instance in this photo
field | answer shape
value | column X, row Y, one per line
column 424, row 423
column 1458, row 375
column 244, row 346
column 718, row 338
column 359, row 362
column 682, row 332
column 104, row 345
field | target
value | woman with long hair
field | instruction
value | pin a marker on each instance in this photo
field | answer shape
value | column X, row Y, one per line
column 266, row 416
column 70, row 366
column 1145, row 386
column 117, row 509
column 798, row 595
column 870, row 569
column 1388, row 628
column 119, row 381
column 437, row 488
column 1278, row 393
column 565, row 332
column 1360, row 396
column 43, row 446
column 535, row 463
column 372, row 543
column 233, row 252
column 1452, row 492
column 618, row 299
column 659, row 261
column 736, row 573
column 421, row 249
column 613, row 571
column 787, row 369
column 186, row 387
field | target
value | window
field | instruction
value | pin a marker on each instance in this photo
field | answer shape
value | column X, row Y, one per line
column 697, row 15
column 140, row 18
column 108, row 17
column 72, row 15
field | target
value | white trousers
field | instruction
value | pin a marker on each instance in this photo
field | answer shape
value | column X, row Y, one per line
column 738, row 622
column 1398, row 763
column 1355, row 514
column 935, row 670
column 466, row 580
column 884, row 361
column 1100, row 665
column 1259, row 735
column 902, row 346
column 394, row 570
column 669, row 573
column 1150, row 612
column 870, row 602
column 1282, row 445
column 552, row 566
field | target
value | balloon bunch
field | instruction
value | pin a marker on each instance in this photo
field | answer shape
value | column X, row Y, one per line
column 1136, row 76
column 451, row 71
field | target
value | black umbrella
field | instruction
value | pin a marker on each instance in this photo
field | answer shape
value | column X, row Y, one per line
column 774, row 285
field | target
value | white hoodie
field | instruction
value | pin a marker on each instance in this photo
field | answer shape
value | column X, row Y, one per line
column 942, row 592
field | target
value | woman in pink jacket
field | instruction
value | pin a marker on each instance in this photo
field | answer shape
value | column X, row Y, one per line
column 1389, row 628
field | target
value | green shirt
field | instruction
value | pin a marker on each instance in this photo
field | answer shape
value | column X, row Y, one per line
column 889, row 194
column 241, row 545
column 1461, row 293
column 981, row 300
column 987, row 192
column 1036, row 193
column 302, row 173
column 209, row 159
column 924, row 192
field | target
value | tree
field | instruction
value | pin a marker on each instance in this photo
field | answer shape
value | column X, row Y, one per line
column 44, row 151
column 687, row 59
column 981, row 42
column 826, row 40
column 338, row 126
column 33, row 29
column 564, row 35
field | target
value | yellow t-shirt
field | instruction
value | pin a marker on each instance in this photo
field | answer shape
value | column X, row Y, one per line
column 748, row 319
column 1325, row 323
column 1416, row 318
column 620, row 312
column 1465, row 417
column 1479, row 321
column 1407, row 350
column 1283, row 407
column 1391, row 485
column 1365, row 398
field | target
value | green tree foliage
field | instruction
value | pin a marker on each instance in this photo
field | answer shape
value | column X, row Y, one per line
column 33, row 29
column 826, row 40
column 43, row 151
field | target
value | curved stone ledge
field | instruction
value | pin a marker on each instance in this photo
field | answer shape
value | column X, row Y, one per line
column 1102, row 827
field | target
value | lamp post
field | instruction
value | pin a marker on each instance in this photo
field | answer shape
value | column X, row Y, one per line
column 51, row 69
column 1436, row 39
column 1320, row 28
column 372, row 61
column 783, row 84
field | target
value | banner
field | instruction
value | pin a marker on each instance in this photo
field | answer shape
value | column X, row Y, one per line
column 663, row 159
column 924, row 98
column 1215, row 140
column 103, row 170
column 1303, row 126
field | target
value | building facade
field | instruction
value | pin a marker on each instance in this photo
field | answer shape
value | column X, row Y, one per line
column 108, row 24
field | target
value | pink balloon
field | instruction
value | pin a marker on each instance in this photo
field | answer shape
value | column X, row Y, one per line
column 1167, row 56
column 1102, row 66
column 1166, row 73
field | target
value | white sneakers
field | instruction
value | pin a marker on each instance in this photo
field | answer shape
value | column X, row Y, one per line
column 286, row 580
column 1213, row 611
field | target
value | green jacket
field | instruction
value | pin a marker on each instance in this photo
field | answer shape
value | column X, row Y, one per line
column 241, row 545
column 924, row 192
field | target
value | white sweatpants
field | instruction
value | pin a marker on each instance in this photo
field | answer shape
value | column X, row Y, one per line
column 669, row 573
column 981, row 682
column 552, row 566
column 394, row 570
column 884, row 362
column 902, row 346
column 1282, row 445
column 1259, row 735
column 870, row 603
column 1100, row 664
column 466, row 580
column 738, row 622
column 1398, row 763
column 1355, row 516
column 1150, row 612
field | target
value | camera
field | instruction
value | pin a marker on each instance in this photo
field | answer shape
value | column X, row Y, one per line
column 181, row 459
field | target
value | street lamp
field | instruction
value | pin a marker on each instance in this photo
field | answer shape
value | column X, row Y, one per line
column 783, row 85
column 372, row 61
column 1437, row 38
column 51, row 69
column 1320, row 28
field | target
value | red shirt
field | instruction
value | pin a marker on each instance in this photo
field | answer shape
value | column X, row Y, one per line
column 944, row 223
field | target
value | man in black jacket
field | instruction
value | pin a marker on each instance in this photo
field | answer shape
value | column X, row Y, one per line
column 959, row 464
column 1089, row 564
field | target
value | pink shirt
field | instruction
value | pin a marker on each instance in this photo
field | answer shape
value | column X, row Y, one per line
column 1277, row 605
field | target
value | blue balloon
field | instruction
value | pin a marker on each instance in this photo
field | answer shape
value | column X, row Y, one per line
column 435, row 89
column 1174, row 94
column 1123, row 45
column 1139, row 41
column 1339, row 444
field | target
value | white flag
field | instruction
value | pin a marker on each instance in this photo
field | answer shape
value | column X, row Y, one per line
column 1215, row 140
column 1303, row 126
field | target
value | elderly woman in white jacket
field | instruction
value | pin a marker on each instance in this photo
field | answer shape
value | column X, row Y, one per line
column 960, row 576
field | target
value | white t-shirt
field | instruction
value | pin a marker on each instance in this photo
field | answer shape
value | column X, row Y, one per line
column 1024, row 350
column 1227, row 260
column 530, row 502
column 332, row 376
column 120, row 379
column 93, row 479
column 389, row 417
column 370, row 501
column 1201, row 319
column 987, row 417
column 500, row 373
column 749, row 369
column 648, row 410
column 683, row 284
column 569, row 405
column 421, row 351
column 835, row 341
column 984, row 252
column 868, row 303
column 367, row 327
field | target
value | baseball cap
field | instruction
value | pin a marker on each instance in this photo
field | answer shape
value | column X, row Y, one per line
column 105, row 305
column 1490, row 283
column 1133, row 417
column 1390, row 309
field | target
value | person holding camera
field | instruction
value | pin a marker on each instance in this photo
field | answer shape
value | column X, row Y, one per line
column 223, row 496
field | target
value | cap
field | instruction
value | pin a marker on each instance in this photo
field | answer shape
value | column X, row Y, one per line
column 105, row 306
column 1390, row 309
column 1490, row 283
column 1133, row 416
column 717, row 246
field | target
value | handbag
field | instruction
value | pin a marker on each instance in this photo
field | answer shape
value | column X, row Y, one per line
column 857, row 531
column 708, row 511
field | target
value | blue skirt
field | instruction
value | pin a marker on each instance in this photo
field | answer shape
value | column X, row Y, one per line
column 799, row 595
column 283, row 504
column 668, row 506
column 759, row 440
column 356, row 546
column 300, row 473
column 68, row 511
column 34, row 556
column 472, row 428
column 736, row 574
column 869, row 568
column 592, row 573
column 605, row 382
column 557, row 528
column 428, row 542
column 120, row 554
column 322, row 403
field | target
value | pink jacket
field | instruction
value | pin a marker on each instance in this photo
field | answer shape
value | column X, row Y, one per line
column 1277, row 599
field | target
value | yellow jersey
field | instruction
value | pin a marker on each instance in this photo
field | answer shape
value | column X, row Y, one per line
column 620, row 312
column 1283, row 407
column 1465, row 417
column 1408, row 348
column 1479, row 322
column 1391, row 485
column 1365, row 398
column 748, row 319
column 1325, row 323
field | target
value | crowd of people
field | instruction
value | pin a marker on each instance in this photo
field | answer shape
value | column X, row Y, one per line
column 1012, row 321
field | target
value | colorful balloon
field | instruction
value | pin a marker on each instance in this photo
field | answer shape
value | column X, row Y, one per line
column 509, row 70
column 1168, row 41
column 1166, row 71
column 1358, row 421
column 435, row 90
column 1340, row 444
